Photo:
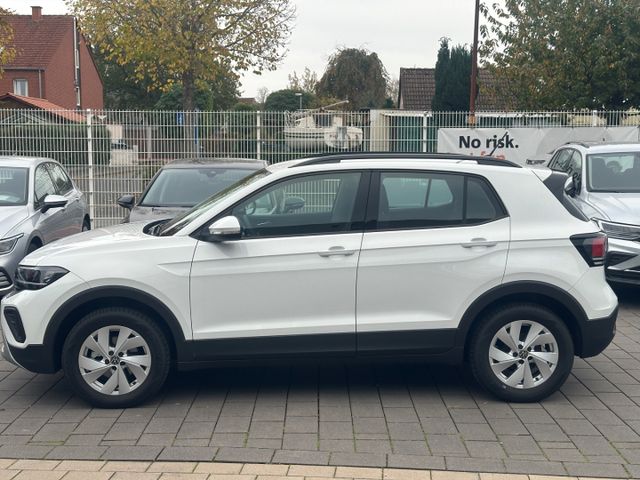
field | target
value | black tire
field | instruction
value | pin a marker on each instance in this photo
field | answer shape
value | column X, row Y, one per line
column 86, row 225
column 490, row 325
column 115, row 316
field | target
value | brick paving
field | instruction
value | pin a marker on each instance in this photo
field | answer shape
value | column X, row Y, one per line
column 411, row 416
column 128, row 470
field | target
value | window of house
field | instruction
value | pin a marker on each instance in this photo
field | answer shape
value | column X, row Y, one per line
column 21, row 87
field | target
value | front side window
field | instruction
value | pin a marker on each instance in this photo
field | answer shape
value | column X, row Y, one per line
column 43, row 185
column 560, row 161
column 426, row 200
column 614, row 172
column 186, row 187
column 13, row 186
column 60, row 179
column 311, row 204
column 21, row 87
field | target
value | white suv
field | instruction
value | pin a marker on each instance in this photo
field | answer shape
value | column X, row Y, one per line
column 449, row 257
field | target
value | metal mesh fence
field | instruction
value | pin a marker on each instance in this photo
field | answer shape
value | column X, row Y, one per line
column 112, row 153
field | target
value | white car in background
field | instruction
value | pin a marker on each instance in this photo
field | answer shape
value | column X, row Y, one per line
column 606, row 178
column 354, row 255
column 39, row 203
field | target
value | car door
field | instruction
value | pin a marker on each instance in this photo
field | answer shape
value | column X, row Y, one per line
column 434, row 241
column 51, row 223
column 73, row 214
column 288, row 285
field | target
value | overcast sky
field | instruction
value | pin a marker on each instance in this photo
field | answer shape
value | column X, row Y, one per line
column 404, row 33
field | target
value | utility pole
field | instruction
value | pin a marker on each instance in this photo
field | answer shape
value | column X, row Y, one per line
column 474, row 67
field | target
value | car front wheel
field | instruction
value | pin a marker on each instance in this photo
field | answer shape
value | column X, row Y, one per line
column 521, row 353
column 116, row 358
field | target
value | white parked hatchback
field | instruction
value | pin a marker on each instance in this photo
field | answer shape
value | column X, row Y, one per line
column 442, row 256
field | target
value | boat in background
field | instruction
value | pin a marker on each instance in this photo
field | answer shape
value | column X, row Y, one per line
column 321, row 129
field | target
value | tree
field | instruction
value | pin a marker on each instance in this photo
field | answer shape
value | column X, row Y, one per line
column 452, row 78
column 187, row 41
column 357, row 75
column 7, row 50
column 287, row 100
column 392, row 93
column 263, row 93
column 219, row 94
column 565, row 54
column 306, row 82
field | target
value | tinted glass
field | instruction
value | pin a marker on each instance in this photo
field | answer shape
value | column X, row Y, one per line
column 60, row 178
column 13, row 186
column 423, row 200
column 420, row 199
column 43, row 185
column 312, row 204
column 614, row 172
column 186, row 187
column 482, row 206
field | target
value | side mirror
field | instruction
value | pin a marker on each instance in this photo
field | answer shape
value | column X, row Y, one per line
column 292, row 204
column 127, row 201
column 224, row 229
column 577, row 182
column 53, row 201
column 570, row 187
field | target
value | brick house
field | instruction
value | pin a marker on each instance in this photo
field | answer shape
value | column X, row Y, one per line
column 52, row 62
column 418, row 86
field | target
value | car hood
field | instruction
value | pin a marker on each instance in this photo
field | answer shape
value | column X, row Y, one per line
column 149, row 214
column 617, row 207
column 11, row 217
column 111, row 237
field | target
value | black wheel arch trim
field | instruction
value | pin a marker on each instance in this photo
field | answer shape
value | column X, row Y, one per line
column 500, row 292
column 81, row 299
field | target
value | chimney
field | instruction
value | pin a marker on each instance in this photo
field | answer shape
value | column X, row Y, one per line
column 36, row 13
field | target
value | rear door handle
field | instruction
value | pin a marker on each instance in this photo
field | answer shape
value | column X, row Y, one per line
column 479, row 242
column 336, row 251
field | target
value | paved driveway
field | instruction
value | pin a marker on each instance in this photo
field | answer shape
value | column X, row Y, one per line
column 411, row 416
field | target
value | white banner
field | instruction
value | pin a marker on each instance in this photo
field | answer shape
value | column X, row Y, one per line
column 519, row 144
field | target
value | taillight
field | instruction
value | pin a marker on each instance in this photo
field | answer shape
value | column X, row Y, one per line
column 592, row 247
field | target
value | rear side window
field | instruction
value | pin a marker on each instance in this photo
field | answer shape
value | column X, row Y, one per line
column 429, row 200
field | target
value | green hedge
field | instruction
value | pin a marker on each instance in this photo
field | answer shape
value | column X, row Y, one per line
column 65, row 143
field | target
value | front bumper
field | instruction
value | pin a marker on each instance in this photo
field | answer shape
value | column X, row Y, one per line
column 623, row 261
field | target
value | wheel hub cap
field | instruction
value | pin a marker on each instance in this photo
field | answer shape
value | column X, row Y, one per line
column 523, row 354
column 114, row 360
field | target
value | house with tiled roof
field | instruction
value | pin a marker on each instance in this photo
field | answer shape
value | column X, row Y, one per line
column 53, row 62
column 418, row 86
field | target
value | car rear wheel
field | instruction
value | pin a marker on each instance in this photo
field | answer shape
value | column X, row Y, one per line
column 521, row 353
column 86, row 225
column 116, row 358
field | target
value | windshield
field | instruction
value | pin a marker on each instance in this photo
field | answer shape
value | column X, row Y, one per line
column 13, row 186
column 181, row 221
column 186, row 187
column 614, row 172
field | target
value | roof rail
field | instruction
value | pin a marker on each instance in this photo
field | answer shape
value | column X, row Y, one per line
column 339, row 157
column 581, row 143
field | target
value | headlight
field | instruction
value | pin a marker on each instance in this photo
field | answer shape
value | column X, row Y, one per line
column 35, row 278
column 623, row 231
column 8, row 244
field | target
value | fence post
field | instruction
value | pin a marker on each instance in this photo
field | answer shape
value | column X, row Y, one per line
column 425, row 133
column 92, row 211
column 258, row 135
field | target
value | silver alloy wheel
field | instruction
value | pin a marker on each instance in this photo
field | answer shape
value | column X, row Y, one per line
column 523, row 354
column 114, row 360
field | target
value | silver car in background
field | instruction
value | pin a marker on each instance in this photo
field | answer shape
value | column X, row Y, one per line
column 39, row 203
column 606, row 179
column 182, row 184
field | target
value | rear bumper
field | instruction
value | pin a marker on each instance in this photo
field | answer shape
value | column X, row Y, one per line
column 597, row 334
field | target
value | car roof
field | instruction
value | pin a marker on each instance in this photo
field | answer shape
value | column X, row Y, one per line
column 603, row 147
column 23, row 161
column 196, row 162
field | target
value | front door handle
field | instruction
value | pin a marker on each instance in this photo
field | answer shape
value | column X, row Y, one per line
column 336, row 251
column 479, row 242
